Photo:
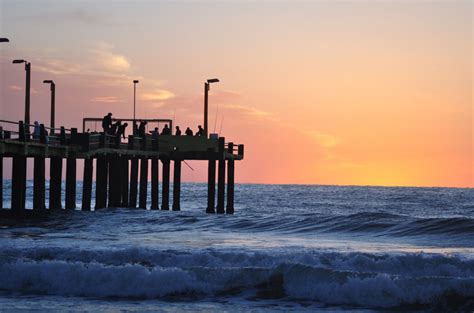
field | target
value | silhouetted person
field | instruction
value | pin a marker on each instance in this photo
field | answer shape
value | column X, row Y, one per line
column 114, row 128
column 178, row 131
column 200, row 132
column 107, row 122
column 135, row 128
column 188, row 132
column 36, row 130
column 166, row 130
column 141, row 129
column 121, row 130
column 154, row 133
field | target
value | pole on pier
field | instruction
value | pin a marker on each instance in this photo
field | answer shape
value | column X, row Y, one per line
column 38, row 183
column 87, row 184
column 133, row 182
column 143, row 182
column 211, row 184
column 154, row 184
column 166, row 185
column 55, row 177
column 124, row 180
column 221, row 177
column 101, row 183
column 230, row 180
column 177, row 185
column 70, row 183
column 18, row 183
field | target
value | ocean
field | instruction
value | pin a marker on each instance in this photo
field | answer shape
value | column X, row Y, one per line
column 287, row 248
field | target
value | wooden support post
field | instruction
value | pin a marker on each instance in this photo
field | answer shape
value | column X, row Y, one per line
column 211, row 184
column 38, row 183
column 143, row 183
column 124, row 180
column 221, row 176
column 70, row 183
column 18, row 183
column 220, row 187
column 101, row 183
column 1, row 179
column 55, row 177
column 230, row 186
column 154, row 184
column 165, row 196
column 114, row 182
column 177, row 185
column 87, row 184
column 133, row 182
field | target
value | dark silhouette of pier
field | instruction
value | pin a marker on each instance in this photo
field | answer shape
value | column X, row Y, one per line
column 120, row 167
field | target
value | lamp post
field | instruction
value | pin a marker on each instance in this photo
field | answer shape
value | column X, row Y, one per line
column 27, row 91
column 53, row 99
column 206, row 100
column 135, row 82
column 4, row 40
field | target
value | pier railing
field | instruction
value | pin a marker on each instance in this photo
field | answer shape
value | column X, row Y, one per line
column 99, row 142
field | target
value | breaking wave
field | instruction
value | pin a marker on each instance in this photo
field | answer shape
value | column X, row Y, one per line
column 331, row 278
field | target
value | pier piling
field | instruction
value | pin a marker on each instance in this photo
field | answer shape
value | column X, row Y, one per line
column 55, row 177
column 101, row 183
column 154, row 184
column 143, row 183
column 70, row 183
column 87, row 184
column 230, row 182
column 39, row 183
column 18, row 183
column 165, row 205
column 177, row 185
column 125, row 182
column 133, row 182
column 211, row 184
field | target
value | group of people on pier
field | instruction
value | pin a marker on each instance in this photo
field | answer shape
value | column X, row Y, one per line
column 117, row 129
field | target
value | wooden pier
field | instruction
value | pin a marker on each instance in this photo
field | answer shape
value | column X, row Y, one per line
column 120, row 167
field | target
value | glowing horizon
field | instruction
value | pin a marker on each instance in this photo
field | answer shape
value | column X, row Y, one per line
column 359, row 93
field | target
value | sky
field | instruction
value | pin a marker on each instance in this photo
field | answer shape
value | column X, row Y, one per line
column 320, row 92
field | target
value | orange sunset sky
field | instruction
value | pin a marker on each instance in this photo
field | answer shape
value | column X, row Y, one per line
column 320, row 92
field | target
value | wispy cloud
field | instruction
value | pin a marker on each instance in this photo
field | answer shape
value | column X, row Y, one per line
column 107, row 99
column 157, row 95
column 325, row 140
column 57, row 67
column 72, row 15
column 15, row 88
column 247, row 110
column 110, row 60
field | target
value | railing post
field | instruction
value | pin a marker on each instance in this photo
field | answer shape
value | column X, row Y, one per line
column 73, row 139
column 62, row 136
column 42, row 134
column 21, row 131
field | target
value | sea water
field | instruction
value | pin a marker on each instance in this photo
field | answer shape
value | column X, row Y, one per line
column 286, row 248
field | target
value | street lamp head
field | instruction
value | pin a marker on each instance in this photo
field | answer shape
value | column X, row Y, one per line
column 48, row 81
column 213, row 80
column 135, row 81
column 19, row 61
column 4, row 40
